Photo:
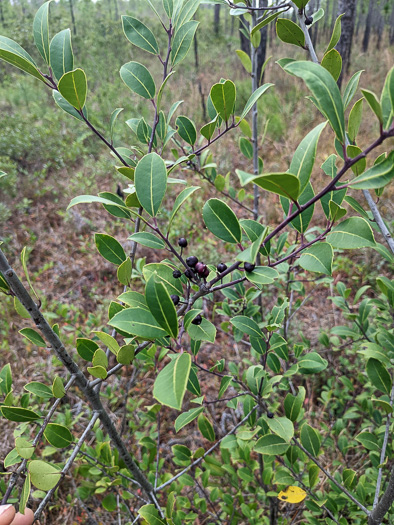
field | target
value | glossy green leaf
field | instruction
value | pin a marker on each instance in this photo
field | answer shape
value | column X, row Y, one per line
column 148, row 239
column 125, row 271
column 161, row 306
column 14, row 54
column 310, row 439
column 114, row 116
column 271, row 445
column 267, row 20
column 138, row 34
column 377, row 176
column 336, row 34
column 302, row 221
column 301, row 3
column 387, row 99
column 254, row 98
column 247, row 326
column 168, row 6
column 206, row 428
column 100, row 358
column 186, row 129
column 12, row 458
column 304, row 157
column 86, row 348
column 110, row 248
column 68, row 108
column 223, row 98
column 290, row 32
column 61, row 54
column 208, row 130
column 245, row 60
column 40, row 31
column 354, row 122
column 33, row 336
column 183, row 11
column 293, row 404
column 25, row 494
column 39, row 389
column 187, row 417
column 246, row 147
column 125, row 355
column 21, row 415
column 369, row 441
column 170, row 385
column 351, row 88
column 373, row 103
column 282, row 427
column 44, row 476
column 205, row 331
column 58, row 436
column 379, row 376
column 317, row 258
column 352, row 233
column 73, row 87
column 284, row 184
column 58, row 388
column 151, row 515
column 181, row 198
column 164, row 274
column 312, row 363
column 97, row 371
column 24, row 447
column 138, row 321
column 262, row 275
column 138, row 79
column 332, row 61
column 182, row 41
column 353, row 152
column 151, row 182
column 222, row 221
column 324, row 90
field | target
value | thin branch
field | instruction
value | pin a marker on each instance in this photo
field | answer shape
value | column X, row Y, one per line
column 67, row 466
column 383, row 452
column 199, row 460
column 341, row 487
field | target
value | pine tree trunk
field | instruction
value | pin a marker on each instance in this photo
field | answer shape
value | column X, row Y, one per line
column 392, row 27
column 345, row 43
column 245, row 44
column 72, row 17
column 216, row 20
column 368, row 23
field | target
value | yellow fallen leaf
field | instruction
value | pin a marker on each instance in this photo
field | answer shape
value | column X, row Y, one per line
column 292, row 495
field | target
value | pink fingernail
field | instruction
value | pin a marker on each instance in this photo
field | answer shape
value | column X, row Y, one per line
column 4, row 508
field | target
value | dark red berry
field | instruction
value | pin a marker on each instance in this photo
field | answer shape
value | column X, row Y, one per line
column 197, row 319
column 270, row 415
column 249, row 267
column 192, row 261
column 221, row 267
column 189, row 274
column 175, row 299
column 205, row 272
column 200, row 267
column 308, row 20
column 182, row 242
column 176, row 274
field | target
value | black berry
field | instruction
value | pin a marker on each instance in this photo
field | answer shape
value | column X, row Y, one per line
column 182, row 242
column 221, row 267
column 192, row 261
column 270, row 415
column 189, row 274
column 176, row 274
column 205, row 273
column 308, row 20
column 200, row 267
column 197, row 319
column 249, row 267
column 175, row 299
